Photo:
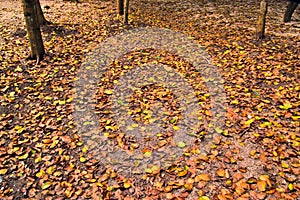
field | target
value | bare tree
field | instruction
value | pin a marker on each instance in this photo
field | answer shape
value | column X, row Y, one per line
column 290, row 10
column 41, row 18
column 33, row 29
column 121, row 7
column 260, row 31
column 126, row 11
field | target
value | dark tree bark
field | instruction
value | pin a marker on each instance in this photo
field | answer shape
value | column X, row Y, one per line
column 260, row 31
column 121, row 7
column 33, row 29
column 41, row 18
column 126, row 11
column 290, row 10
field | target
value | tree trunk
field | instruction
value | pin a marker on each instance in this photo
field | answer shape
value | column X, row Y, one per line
column 260, row 31
column 126, row 11
column 121, row 7
column 289, row 11
column 33, row 29
column 41, row 18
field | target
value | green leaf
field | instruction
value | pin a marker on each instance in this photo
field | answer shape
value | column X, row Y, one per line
column 46, row 185
column 173, row 120
column 256, row 94
column 181, row 144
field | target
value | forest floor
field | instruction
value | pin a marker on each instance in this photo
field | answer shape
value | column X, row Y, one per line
column 45, row 152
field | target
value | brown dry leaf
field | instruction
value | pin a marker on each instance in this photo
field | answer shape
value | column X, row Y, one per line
column 202, row 177
column 261, row 185
column 41, row 143
column 221, row 172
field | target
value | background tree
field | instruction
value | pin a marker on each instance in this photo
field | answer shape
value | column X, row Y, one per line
column 41, row 18
column 260, row 31
column 126, row 11
column 290, row 10
column 33, row 28
column 121, row 7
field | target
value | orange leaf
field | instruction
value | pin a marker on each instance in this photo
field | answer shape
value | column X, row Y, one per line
column 202, row 177
column 261, row 185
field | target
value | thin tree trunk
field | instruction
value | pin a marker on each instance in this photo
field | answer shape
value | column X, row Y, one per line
column 289, row 11
column 126, row 11
column 121, row 7
column 41, row 18
column 260, row 31
column 33, row 29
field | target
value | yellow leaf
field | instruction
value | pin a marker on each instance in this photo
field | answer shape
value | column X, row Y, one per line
column 264, row 177
column 108, row 92
column 250, row 121
column 38, row 159
column 291, row 186
column 127, row 185
column 54, row 143
column 57, row 173
column 218, row 130
column 61, row 102
column 80, row 143
column 50, row 170
column 284, row 165
column 23, row 157
column 40, row 173
column 148, row 153
column 69, row 100
column 225, row 133
column 189, row 186
column 252, row 152
column 87, row 123
column 204, row 198
column 85, row 149
column 82, row 159
column 3, row 171
column 182, row 173
column 135, row 125
column 175, row 128
column 48, row 98
column 266, row 101
column 286, row 105
column 19, row 129
column 295, row 118
column 251, row 180
column 234, row 102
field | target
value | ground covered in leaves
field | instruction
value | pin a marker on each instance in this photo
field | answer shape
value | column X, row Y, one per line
column 254, row 156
